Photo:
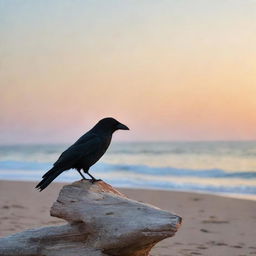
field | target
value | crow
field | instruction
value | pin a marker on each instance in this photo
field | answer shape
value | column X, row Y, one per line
column 85, row 152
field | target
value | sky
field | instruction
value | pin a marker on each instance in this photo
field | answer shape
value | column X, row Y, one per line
column 170, row 70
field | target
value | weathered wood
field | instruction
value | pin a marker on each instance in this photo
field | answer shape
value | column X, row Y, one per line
column 101, row 222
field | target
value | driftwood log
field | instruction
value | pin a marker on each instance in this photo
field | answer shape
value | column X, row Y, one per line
column 101, row 222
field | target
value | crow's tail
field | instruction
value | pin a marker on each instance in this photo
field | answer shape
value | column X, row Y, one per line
column 48, row 178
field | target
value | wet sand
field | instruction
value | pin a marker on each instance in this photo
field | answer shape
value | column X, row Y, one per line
column 212, row 225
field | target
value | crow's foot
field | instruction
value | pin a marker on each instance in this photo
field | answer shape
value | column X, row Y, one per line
column 95, row 180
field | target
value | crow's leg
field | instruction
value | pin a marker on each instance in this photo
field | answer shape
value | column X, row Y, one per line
column 93, row 179
column 81, row 175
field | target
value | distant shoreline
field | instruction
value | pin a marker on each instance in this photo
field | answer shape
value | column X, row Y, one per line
column 225, row 195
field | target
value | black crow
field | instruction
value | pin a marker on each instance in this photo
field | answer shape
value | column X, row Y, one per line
column 85, row 152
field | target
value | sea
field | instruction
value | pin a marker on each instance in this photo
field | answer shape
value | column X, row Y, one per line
column 222, row 168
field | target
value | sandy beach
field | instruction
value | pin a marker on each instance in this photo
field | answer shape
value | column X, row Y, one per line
column 212, row 225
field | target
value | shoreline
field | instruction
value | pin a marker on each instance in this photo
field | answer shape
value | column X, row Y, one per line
column 250, row 197
column 212, row 225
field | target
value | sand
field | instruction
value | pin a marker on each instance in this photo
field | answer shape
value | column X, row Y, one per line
column 212, row 225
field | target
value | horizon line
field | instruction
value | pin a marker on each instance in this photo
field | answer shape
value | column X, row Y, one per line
column 134, row 141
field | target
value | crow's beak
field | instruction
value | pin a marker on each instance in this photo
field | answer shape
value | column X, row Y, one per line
column 122, row 127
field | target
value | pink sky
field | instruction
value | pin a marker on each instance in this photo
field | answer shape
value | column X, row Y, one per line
column 177, row 70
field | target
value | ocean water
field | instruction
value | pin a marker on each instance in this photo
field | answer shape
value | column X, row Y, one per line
column 227, row 168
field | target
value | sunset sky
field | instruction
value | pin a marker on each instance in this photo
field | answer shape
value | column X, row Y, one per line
column 170, row 70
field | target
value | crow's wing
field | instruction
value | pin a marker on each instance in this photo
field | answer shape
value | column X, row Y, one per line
column 77, row 152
